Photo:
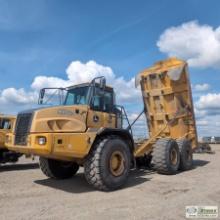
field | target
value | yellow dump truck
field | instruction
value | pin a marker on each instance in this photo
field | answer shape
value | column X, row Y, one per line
column 87, row 129
column 7, row 123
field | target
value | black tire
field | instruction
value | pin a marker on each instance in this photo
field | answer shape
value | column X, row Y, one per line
column 7, row 156
column 1, row 156
column 165, row 156
column 98, row 169
column 57, row 169
column 186, row 154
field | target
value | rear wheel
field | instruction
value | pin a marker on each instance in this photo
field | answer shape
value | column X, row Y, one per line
column 186, row 155
column 58, row 169
column 165, row 156
column 108, row 164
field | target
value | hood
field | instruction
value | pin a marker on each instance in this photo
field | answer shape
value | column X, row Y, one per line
column 59, row 119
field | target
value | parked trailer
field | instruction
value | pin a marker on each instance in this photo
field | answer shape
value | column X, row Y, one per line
column 86, row 130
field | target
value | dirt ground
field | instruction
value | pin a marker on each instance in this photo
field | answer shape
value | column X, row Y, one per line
column 25, row 193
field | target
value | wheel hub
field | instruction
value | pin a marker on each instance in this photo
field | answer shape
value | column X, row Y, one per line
column 173, row 156
column 117, row 163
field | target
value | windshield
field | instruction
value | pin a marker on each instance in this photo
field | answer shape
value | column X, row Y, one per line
column 77, row 96
column 52, row 96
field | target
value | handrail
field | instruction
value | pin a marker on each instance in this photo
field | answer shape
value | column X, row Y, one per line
column 123, row 112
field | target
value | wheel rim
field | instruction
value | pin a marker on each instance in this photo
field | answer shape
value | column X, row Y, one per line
column 173, row 156
column 117, row 165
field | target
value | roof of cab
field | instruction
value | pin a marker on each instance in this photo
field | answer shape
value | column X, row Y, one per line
column 7, row 116
column 84, row 85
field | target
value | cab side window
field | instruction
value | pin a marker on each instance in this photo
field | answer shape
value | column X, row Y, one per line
column 102, row 101
column 108, row 102
column 97, row 104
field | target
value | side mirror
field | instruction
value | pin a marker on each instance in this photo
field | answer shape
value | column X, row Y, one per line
column 41, row 96
column 102, row 83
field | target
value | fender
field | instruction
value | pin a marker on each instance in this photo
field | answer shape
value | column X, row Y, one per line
column 124, row 133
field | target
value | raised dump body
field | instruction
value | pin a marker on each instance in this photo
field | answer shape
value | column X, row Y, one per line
column 167, row 98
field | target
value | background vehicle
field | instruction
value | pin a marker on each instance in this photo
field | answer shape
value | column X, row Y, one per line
column 6, row 126
column 206, row 140
column 87, row 129
column 211, row 140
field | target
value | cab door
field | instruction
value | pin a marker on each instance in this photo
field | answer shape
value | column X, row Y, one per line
column 101, row 109
column 108, row 108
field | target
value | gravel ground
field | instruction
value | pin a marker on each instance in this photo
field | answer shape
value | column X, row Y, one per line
column 25, row 193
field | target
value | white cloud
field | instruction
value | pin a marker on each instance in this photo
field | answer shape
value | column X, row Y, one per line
column 201, row 87
column 14, row 100
column 77, row 72
column 196, row 43
column 199, row 113
column 17, row 96
column 202, row 123
column 211, row 101
column 209, row 126
column 207, row 111
column 48, row 82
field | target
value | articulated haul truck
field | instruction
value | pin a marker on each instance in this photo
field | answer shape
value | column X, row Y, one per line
column 7, row 123
column 86, row 129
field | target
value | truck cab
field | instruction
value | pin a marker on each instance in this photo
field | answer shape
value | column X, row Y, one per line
column 68, row 130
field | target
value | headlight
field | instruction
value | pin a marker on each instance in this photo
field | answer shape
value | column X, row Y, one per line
column 42, row 140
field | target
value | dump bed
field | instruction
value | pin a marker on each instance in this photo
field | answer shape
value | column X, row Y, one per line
column 167, row 98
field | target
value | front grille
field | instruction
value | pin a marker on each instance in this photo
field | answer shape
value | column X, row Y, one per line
column 23, row 124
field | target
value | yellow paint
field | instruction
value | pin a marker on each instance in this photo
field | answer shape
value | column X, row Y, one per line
column 3, row 132
column 58, row 145
column 60, row 119
column 168, row 103
column 71, row 130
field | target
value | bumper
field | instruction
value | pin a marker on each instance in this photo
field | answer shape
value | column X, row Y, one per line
column 57, row 145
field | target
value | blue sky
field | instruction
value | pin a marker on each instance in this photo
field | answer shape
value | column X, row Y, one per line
column 43, row 37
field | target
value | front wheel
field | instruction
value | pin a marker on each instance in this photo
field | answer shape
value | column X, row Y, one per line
column 58, row 169
column 108, row 164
